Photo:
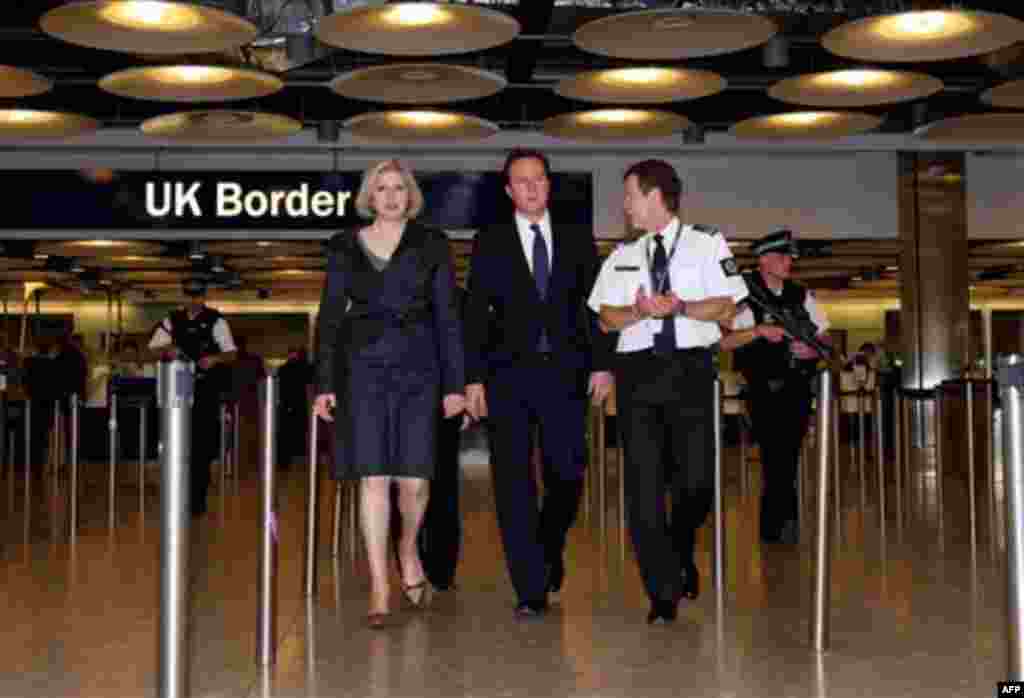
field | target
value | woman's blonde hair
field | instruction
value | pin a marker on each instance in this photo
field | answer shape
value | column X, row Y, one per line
column 364, row 198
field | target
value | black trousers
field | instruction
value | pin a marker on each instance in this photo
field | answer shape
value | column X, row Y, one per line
column 205, row 439
column 667, row 423
column 780, row 418
column 519, row 398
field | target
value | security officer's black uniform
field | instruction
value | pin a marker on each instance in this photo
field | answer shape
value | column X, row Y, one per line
column 196, row 339
column 779, row 393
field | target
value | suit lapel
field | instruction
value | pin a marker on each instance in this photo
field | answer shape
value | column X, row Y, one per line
column 558, row 251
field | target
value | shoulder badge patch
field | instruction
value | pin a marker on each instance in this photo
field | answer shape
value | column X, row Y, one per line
column 706, row 229
column 729, row 267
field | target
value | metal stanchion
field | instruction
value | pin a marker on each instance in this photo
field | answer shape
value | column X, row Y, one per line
column 235, row 442
column 971, row 508
column 312, row 516
column 266, row 627
column 28, row 455
column 1011, row 382
column 718, row 573
column 73, row 494
column 939, row 465
column 174, row 393
column 880, row 454
column 836, row 480
column 223, row 447
column 112, row 427
column 820, row 598
column 897, row 443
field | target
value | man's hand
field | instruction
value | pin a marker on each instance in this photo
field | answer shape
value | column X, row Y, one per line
column 476, row 401
column 664, row 305
column 802, row 350
column 642, row 303
column 323, row 405
column 600, row 387
column 773, row 333
column 453, row 404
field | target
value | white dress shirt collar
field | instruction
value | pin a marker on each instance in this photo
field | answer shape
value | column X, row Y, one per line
column 668, row 234
column 526, row 236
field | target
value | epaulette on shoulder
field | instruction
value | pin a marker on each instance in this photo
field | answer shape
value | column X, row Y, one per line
column 707, row 229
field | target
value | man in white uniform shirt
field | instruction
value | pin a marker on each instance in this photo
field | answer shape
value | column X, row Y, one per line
column 666, row 293
column 200, row 334
column 778, row 370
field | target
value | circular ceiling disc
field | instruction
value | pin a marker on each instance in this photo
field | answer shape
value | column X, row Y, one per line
column 805, row 125
column 264, row 249
column 220, row 126
column 279, row 262
column 988, row 128
column 641, row 85
column 417, row 83
column 191, row 83
column 673, row 34
column 155, row 27
column 855, row 88
column 410, row 126
column 18, row 82
column 417, row 29
column 98, row 248
column 615, row 124
column 28, row 123
column 1009, row 95
column 935, row 35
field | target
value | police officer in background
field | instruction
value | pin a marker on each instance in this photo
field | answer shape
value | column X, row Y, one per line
column 666, row 293
column 200, row 334
column 779, row 371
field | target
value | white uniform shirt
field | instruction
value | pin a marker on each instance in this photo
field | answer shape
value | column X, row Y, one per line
column 162, row 335
column 701, row 267
column 744, row 319
column 526, row 236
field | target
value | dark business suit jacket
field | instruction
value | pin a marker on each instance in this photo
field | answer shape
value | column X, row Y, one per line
column 505, row 313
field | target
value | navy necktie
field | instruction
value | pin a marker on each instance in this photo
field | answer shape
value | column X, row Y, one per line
column 664, row 341
column 541, row 275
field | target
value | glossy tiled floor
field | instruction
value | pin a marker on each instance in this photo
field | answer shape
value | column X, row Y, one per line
column 916, row 611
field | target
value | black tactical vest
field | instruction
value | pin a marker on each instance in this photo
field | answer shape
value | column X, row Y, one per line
column 194, row 336
column 762, row 360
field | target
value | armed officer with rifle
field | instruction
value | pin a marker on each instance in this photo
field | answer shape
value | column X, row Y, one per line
column 779, row 335
column 200, row 334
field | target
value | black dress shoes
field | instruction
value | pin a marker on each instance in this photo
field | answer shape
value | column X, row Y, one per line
column 531, row 609
column 662, row 612
column 691, row 582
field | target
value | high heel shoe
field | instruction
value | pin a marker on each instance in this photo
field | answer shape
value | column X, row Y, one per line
column 418, row 595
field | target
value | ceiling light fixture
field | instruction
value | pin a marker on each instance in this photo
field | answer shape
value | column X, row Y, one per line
column 417, row 29
column 641, row 85
column 149, row 27
column 221, row 126
column 674, row 34
column 18, row 82
column 419, row 125
column 805, row 125
column 30, row 124
column 615, row 124
column 417, row 83
column 855, row 88
column 924, row 35
column 191, row 83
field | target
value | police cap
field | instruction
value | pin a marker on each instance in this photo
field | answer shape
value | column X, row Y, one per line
column 780, row 241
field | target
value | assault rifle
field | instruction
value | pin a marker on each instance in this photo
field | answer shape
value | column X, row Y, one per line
column 796, row 322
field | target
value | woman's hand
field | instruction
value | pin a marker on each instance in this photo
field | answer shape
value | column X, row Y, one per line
column 453, row 404
column 323, row 405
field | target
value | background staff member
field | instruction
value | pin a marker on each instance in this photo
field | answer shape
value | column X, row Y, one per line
column 199, row 334
column 665, row 292
column 778, row 370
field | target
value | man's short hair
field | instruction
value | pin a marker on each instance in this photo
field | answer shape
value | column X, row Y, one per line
column 524, row 154
column 658, row 174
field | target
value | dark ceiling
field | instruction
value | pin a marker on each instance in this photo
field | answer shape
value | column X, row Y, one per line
column 532, row 64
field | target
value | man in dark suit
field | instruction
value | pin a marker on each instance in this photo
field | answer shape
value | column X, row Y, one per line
column 533, row 353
